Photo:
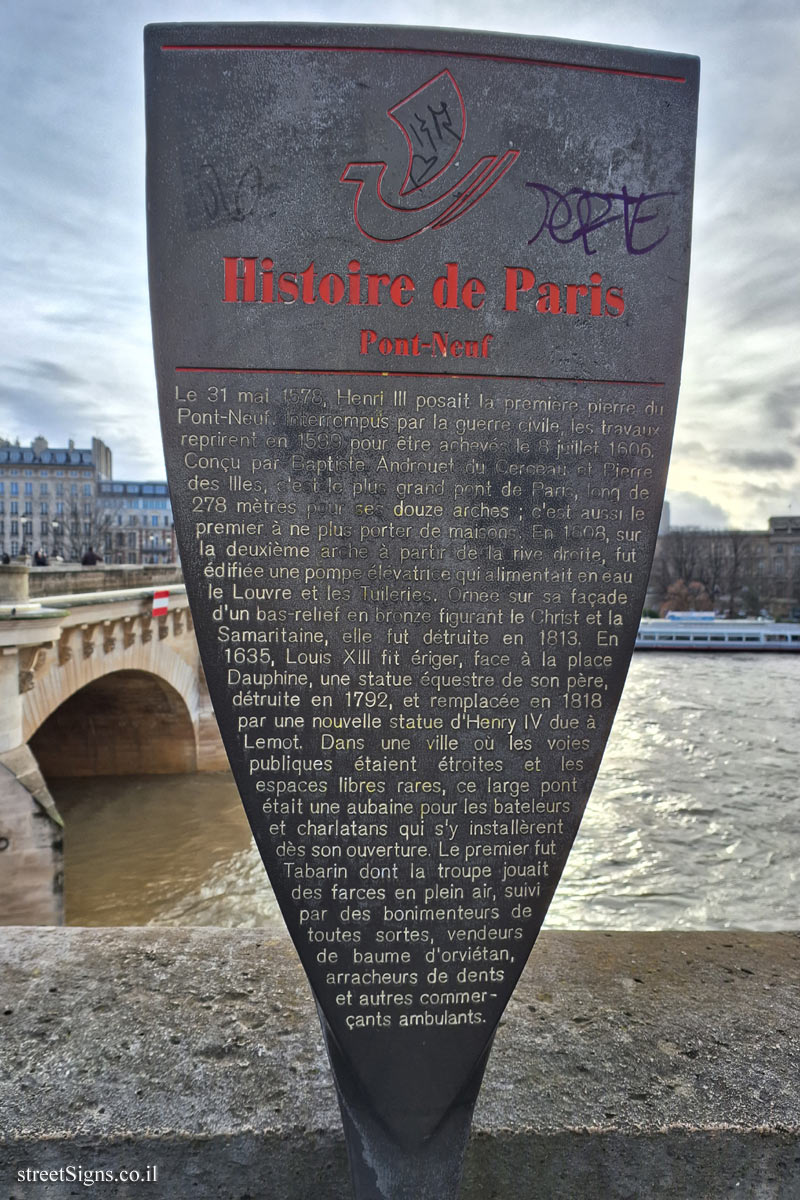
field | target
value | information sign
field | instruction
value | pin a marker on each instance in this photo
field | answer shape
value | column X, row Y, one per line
column 418, row 305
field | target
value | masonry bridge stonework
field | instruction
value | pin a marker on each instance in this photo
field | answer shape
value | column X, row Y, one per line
column 91, row 683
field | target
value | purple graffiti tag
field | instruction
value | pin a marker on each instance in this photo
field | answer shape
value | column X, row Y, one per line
column 577, row 214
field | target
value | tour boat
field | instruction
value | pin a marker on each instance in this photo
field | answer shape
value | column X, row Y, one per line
column 705, row 631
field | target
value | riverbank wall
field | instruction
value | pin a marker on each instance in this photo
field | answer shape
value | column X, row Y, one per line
column 628, row 1066
column 72, row 577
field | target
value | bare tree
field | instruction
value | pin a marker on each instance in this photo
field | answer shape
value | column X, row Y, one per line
column 741, row 569
column 683, row 552
column 723, row 562
column 713, row 560
column 677, row 557
column 84, row 525
column 686, row 597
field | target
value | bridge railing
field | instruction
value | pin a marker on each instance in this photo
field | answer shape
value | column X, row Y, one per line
column 80, row 599
column 63, row 578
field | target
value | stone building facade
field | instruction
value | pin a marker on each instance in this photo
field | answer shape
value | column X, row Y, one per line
column 138, row 526
column 777, row 562
column 48, row 496
column 62, row 500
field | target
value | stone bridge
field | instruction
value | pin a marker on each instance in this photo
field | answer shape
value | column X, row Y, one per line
column 91, row 683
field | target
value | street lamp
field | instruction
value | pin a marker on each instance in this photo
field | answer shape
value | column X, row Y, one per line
column 55, row 526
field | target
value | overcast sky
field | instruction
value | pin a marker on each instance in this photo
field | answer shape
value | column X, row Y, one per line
column 75, row 340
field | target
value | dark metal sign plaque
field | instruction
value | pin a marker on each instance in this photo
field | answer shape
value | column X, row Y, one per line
column 418, row 302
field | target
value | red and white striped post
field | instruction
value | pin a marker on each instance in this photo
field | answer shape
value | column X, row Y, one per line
column 160, row 602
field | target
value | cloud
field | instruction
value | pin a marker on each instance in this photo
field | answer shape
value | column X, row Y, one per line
column 688, row 508
column 47, row 371
column 688, row 449
column 760, row 460
column 765, row 491
column 783, row 407
column 71, row 189
column 30, row 410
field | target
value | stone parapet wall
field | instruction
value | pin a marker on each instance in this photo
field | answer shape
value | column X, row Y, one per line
column 64, row 578
column 627, row 1067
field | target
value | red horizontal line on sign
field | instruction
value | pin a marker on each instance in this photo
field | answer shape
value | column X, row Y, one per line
column 420, row 375
column 500, row 58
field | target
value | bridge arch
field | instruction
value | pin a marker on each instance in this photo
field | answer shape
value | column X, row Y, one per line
column 91, row 683
column 55, row 686
column 124, row 722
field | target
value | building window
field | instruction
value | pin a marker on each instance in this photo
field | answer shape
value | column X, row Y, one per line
column 14, row 508
column 87, row 489
column 59, row 508
column 15, row 489
column 43, row 508
column 28, row 489
column 28, row 508
column 14, row 528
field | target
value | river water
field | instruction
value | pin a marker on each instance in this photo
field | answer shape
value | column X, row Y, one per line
column 694, row 822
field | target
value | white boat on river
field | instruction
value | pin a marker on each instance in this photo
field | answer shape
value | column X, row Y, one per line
column 705, row 631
